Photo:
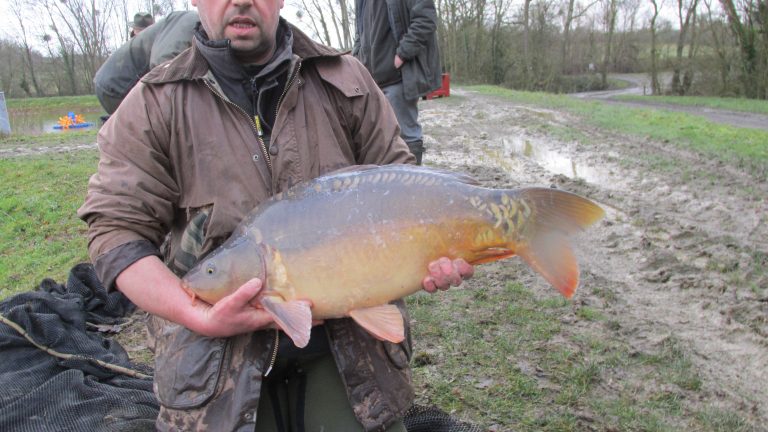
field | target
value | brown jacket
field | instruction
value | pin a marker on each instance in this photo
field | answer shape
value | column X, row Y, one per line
column 176, row 146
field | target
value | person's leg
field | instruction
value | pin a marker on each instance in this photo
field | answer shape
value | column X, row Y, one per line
column 326, row 407
column 273, row 411
column 407, row 113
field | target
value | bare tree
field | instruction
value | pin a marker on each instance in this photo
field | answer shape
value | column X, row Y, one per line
column 655, row 84
column 325, row 16
column 527, row 61
column 86, row 23
column 8, row 52
column 746, row 31
column 609, row 20
column 498, row 53
column 686, row 15
column 573, row 12
column 17, row 8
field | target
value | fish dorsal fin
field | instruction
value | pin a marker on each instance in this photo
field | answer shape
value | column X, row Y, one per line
column 385, row 322
column 553, row 258
column 404, row 169
column 293, row 317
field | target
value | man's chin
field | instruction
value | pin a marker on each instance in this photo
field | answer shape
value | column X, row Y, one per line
column 250, row 50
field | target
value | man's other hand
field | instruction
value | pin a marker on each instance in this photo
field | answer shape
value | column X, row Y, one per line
column 444, row 273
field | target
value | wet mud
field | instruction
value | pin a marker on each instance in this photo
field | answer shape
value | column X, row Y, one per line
column 682, row 253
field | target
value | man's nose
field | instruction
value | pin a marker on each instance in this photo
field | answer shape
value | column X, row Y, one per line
column 244, row 3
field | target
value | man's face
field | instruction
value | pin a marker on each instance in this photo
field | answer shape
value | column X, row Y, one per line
column 251, row 25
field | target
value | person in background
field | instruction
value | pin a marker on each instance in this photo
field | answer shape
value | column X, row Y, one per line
column 251, row 109
column 153, row 44
column 396, row 41
column 141, row 21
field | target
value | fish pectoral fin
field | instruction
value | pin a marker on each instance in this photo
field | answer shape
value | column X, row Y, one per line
column 553, row 258
column 385, row 322
column 293, row 317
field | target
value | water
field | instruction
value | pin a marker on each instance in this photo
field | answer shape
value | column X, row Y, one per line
column 42, row 121
column 552, row 161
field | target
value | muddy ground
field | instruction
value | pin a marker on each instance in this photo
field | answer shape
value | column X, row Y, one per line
column 683, row 251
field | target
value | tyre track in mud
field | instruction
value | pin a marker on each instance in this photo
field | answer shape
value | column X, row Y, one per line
column 682, row 250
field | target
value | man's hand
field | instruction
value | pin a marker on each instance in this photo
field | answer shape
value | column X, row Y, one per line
column 234, row 314
column 444, row 273
column 152, row 287
column 398, row 61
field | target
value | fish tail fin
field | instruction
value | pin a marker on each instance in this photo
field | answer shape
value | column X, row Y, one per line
column 556, row 264
column 540, row 225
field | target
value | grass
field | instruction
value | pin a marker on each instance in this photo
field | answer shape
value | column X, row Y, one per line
column 503, row 355
column 41, row 234
column 739, row 147
column 68, row 138
column 55, row 102
column 732, row 104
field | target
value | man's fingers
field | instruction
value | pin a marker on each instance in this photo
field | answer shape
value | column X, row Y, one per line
column 465, row 269
column 428, row 283
column 246, row 293
column 445, row 273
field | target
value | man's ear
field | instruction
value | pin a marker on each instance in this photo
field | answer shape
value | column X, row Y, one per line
column 194, row 2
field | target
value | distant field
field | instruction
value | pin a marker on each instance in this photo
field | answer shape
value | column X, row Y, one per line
column 732, row 104
column 55, row 102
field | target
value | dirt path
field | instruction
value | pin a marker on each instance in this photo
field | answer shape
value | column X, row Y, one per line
column 682, row 252
column 639, row 83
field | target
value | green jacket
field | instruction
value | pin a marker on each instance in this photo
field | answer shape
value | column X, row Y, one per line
column 413, row 24
column 159, row 42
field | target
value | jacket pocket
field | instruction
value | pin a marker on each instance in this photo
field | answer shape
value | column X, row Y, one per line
column 187, row 365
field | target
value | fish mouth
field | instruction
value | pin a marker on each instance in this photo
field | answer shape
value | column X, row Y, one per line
column 188, row 290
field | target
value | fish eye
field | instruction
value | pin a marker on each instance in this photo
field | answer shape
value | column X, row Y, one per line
column 211, row 269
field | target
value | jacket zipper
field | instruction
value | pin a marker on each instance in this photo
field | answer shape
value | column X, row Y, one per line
column 256, row 125
column 273, row 357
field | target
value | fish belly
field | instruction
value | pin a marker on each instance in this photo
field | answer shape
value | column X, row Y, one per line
column 367, row 267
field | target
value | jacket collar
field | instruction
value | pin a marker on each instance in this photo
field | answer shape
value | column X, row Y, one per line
column 191, row 64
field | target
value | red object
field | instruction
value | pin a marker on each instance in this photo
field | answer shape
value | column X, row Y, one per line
column 444, row 90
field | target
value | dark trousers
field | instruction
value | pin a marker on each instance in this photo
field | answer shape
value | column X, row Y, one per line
column 307, row 394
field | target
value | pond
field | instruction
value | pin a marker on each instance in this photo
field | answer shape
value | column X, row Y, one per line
column 40, row 121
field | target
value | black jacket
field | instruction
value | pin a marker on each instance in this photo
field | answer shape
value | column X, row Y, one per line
column 413, row 25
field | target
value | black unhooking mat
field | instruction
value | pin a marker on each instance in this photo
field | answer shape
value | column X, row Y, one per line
column 41, row 392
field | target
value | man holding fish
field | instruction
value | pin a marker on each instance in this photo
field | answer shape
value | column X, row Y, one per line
column 251, row 109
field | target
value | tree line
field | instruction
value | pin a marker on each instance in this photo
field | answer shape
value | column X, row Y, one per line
column 688, row 47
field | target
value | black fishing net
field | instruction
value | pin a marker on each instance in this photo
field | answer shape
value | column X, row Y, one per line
column 421, row 418
column 39, row 391
column 43, row 392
